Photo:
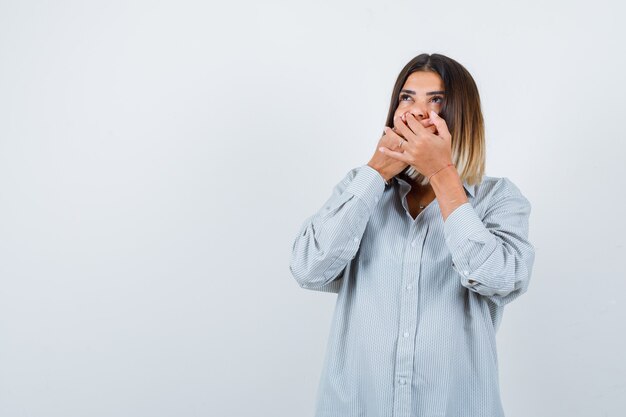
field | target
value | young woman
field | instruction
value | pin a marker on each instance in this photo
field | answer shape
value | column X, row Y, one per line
column 423, row 251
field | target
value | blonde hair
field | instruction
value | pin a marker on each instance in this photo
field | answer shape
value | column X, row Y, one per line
column 461, row 110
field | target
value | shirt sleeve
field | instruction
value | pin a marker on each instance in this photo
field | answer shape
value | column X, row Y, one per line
column 493, row 255
column 329, row 239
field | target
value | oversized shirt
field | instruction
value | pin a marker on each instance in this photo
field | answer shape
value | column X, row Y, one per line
column 419, row 300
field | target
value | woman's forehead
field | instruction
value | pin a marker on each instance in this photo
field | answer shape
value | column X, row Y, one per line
column 424, row 80
column 423, row 85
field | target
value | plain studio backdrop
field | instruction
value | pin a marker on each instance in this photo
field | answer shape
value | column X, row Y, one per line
column 157, row 159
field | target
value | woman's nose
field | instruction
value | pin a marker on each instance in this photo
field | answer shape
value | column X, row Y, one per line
column 420, row 112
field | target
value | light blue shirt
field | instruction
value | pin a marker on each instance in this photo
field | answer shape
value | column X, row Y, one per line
column 419, row 300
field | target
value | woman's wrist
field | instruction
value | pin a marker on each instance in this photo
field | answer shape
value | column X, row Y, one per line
column 449, row 190
column 382, row 173
column 439, row 170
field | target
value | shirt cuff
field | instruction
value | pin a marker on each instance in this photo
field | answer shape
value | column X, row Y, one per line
column 466, row 236
column 368, row 185
column 461, row 224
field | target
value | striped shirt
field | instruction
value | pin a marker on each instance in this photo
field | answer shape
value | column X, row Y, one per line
column 419, row 300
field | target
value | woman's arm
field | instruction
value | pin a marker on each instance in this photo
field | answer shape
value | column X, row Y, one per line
column 449, row 190
column 330, row 239
column 492, row 255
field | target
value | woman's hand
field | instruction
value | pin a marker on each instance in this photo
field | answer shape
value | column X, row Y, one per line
column 425, row 151
column 386, row 166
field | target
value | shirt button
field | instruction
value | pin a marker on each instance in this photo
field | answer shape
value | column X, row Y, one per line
column 402, row 381
column 356, row 239
column 406, row 334
column 413, row 244
column 408, row 287
column 466, row 272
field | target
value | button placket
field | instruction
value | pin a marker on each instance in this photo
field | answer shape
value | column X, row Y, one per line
column 408, row 319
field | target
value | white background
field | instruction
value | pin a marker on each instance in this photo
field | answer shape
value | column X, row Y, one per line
column 157, row 159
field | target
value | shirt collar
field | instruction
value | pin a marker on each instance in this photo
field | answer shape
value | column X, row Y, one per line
column 471, row 189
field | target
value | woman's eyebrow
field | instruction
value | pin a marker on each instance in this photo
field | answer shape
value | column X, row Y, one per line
column 430, row 93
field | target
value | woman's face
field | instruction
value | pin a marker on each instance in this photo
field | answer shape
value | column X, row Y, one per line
column 422, row 92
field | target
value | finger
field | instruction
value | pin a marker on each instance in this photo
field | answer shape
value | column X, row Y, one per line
column 400, row 156
column 442, row 127
column 397, row 132
column 403, row 129
column 393, row 134
column 415, row 125
column 391, row 141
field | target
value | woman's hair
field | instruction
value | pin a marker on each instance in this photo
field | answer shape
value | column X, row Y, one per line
column 460, row 109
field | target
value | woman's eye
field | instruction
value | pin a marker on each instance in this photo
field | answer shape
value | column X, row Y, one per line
column 436, row 99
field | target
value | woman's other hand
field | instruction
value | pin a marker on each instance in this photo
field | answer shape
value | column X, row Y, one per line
column 388, row 167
